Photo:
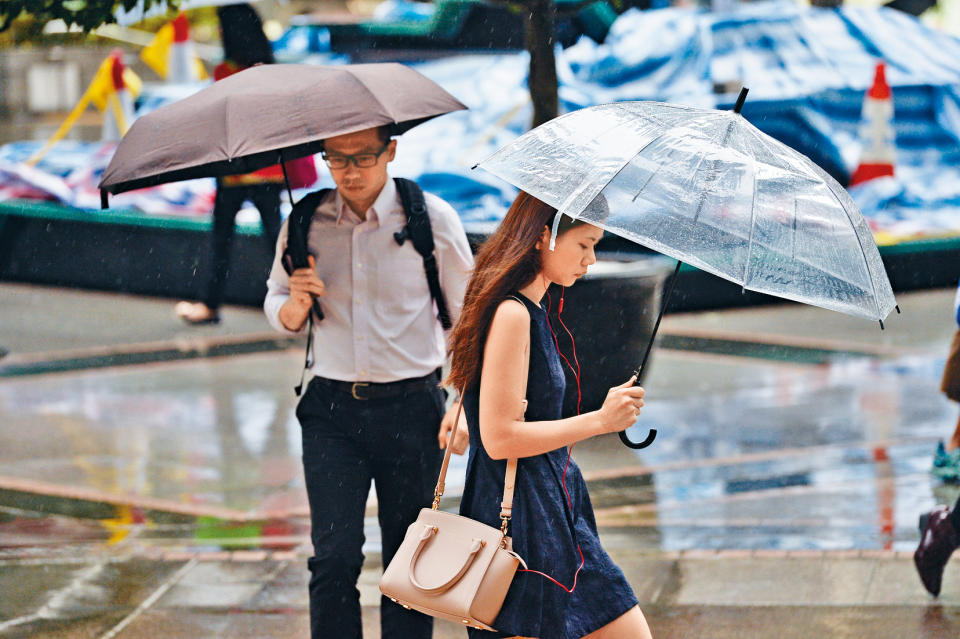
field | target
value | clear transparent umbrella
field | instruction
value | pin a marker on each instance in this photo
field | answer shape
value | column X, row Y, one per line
column 707, row 188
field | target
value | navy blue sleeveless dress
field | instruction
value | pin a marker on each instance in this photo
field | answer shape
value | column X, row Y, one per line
column 545, row 531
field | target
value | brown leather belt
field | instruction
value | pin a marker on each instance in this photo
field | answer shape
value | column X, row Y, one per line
column 382, row 390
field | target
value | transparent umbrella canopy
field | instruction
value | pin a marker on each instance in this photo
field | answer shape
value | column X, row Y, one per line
column 707, row 188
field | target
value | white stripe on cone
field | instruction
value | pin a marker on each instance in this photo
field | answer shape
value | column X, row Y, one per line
column 181, row 63
column 180, row 67
column 111, row 130
column 876, row 132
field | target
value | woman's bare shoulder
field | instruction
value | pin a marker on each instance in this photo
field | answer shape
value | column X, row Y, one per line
column 511, row 314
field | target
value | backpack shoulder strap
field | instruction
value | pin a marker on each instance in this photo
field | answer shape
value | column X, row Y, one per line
column 298, row 231
column 302, row 212
column 295, row 256
column 420, row 233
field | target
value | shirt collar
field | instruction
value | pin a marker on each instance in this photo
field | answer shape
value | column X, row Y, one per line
column 385, row 203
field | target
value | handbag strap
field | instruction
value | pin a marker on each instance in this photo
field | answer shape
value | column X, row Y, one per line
column 510, row 474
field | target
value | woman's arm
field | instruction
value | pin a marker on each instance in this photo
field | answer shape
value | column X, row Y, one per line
column 504, row 436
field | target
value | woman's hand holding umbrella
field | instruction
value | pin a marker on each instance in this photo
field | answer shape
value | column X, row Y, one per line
column 621, row 407
column 709, row 189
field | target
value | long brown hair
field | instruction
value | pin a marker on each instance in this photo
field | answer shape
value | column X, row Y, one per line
column 507, row 261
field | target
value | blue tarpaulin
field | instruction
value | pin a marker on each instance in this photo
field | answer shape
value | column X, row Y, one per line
column 807, row 70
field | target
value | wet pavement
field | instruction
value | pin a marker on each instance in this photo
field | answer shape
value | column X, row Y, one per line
column 150, row 481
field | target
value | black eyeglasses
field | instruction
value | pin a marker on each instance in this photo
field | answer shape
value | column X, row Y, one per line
column 362, row 160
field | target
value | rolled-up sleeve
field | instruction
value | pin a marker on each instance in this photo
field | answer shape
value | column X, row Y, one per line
column 454, row 257
column 278, row 288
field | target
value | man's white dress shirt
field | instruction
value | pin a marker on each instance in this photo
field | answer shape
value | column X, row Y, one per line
column 380, row 322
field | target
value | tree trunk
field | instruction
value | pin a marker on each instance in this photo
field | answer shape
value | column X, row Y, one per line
column 539, row 24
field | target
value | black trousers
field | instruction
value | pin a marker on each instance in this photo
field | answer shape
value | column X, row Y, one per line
column 227, row 203
column 346, row 444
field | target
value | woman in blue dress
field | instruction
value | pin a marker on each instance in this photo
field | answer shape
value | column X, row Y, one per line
column 572, row 588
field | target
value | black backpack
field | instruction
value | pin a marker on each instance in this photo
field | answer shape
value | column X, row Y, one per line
column 417, row 229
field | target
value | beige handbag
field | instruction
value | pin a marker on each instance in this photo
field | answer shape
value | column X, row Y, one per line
column 454, row 567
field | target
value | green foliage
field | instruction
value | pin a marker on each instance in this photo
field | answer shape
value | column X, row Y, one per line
column 87, row 14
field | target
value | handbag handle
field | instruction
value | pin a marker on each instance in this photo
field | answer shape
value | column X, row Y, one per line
column 426, row 535
column 510, row 475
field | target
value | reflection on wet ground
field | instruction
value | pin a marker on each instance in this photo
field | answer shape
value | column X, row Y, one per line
column 780, row 429
column 831, row 456
column 755, row 450
column 794, row 457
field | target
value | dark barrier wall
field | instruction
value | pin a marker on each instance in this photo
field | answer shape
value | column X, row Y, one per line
column 173, row 261
column 610, row 314
column 129, row 258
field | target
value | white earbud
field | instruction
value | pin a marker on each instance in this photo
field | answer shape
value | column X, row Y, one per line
column 553, row 231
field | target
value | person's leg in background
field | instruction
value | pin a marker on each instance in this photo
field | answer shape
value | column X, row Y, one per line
column 337, row 477
column 227, row 203
column 405, row 460
column 954, row 443
column 266, row 197
column 939, row 537
column 950, row 386
column 946, row 460
column 940, row 528
column 224, row 220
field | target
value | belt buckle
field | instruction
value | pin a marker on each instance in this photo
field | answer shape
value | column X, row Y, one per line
column 353, row 390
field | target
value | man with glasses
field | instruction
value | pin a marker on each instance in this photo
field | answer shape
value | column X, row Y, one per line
column 374, row 409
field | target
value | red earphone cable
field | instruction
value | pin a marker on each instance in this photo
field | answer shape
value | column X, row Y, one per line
column 576, row 374
column 574, row 345
column 556, row 343
column 575, row 575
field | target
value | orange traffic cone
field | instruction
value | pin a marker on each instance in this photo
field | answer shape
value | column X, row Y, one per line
column 118, row 114
column 877, row 157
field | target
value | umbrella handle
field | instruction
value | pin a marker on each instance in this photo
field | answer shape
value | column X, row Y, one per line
column 639, row 372
column 652, row 434
column 638, row 445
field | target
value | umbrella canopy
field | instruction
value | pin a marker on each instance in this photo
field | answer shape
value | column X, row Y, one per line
column 707, row 188
column 249, row 119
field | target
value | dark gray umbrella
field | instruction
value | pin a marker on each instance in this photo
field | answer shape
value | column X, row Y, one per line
column 252, row 119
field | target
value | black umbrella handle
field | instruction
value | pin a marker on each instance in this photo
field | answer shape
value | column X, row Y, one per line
column 673, row 280
column 638, row 445
column 646, row 356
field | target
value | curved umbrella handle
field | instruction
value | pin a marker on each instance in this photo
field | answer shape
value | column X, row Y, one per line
column 639, row 372
column 638, row 445
column 652, row 435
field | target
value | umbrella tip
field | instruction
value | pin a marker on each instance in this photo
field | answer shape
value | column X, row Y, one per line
column 881, row 324
column 103, row 200
column 740, row 100
column 474, row 166
column 897, row 306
